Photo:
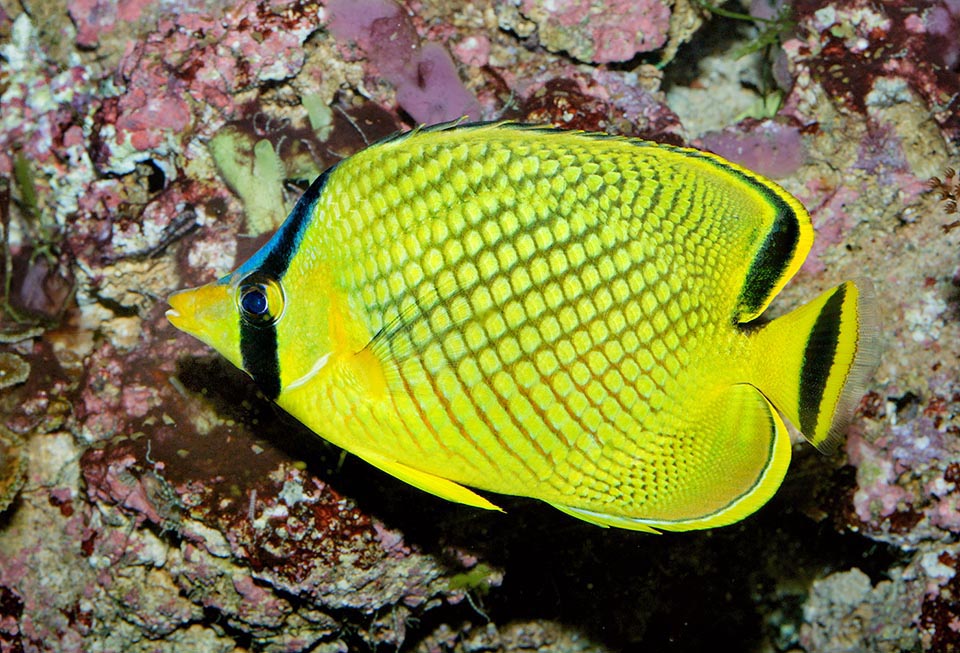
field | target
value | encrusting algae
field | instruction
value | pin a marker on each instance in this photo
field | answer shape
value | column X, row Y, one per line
column 560, row 315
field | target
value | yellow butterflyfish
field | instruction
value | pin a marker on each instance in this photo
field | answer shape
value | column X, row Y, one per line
column 560, row 315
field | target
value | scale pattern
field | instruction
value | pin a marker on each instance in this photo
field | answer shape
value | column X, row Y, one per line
column 548, row 305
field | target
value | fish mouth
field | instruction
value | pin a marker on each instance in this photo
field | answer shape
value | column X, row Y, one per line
column 202, row 312
column 174, row 318
column 180, row 308
column 209, row 314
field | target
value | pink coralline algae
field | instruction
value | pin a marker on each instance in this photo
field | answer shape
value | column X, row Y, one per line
column 473, row 50
column 114, row 479
column 147, row 117
column 196, row 58
column 600, row 32
column 906, row 491
column 425, row 77
column 94, row 18
column 40, row 103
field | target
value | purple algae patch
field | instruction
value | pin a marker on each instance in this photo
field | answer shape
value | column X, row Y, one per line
column 428, row 85
column 768, row 147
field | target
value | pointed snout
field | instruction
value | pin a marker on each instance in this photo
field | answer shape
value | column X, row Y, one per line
column 209, row 314
column 193, row 310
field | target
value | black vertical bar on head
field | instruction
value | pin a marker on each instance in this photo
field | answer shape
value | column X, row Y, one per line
column 258, row 342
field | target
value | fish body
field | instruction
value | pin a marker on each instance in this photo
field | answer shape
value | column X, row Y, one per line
column 559, row 315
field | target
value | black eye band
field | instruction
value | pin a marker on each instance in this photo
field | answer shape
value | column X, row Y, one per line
column 260, row 303
column 260, row 297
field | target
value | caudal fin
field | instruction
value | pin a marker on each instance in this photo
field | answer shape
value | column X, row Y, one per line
column 822, row 355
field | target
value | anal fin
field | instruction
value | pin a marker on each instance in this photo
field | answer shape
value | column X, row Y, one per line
column 436, row 485
column 745, row 458
column 601, row 519
column 748, row 460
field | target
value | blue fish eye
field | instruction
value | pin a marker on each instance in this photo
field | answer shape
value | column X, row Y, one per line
column 254, row 301
column 260, row 300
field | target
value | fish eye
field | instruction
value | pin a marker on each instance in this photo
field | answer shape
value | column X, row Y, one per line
column 254, row 301
column 260, row 299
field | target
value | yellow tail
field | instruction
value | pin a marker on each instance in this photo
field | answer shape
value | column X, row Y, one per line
column 813, row 364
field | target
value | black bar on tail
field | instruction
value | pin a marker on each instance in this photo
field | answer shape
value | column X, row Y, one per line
column 818, row 360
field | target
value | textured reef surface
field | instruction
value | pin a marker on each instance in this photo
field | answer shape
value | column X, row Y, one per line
column 150, row 500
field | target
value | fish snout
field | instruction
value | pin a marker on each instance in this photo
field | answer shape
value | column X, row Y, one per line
column 199, row 311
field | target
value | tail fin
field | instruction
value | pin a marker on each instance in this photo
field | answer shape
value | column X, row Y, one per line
column 822, row 354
